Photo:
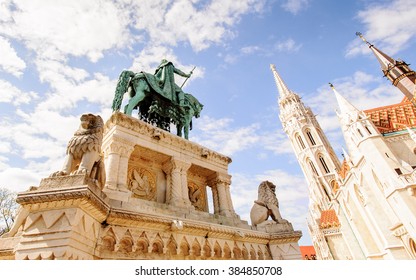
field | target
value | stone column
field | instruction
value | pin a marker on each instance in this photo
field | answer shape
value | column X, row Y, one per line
column 221, row 195
column 228, row 197
column 112, row 159
column 177, row 182
column 215, row 199
column 117, row 155
column 125, row 152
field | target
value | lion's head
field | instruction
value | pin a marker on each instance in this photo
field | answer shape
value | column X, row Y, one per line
column 267, row 193
column 90, row 123
column 88, row 137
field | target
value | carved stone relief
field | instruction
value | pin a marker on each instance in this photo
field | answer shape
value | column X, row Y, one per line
column 142, row 183
column 197, row 196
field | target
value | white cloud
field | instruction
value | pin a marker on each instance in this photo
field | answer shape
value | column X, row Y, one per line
column 295, row 6
column 11, row 94
column 219, row 135
column 277, row 142
column 10, row 61
column 250, row 49
column 58, row 28
column 387, row 25
column 183, row 21
column 18, row 179
column 288, row 45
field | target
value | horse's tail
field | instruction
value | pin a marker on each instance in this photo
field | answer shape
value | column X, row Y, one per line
column 122, row 86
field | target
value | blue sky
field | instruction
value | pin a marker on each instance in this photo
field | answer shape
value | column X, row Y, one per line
column 60, row 59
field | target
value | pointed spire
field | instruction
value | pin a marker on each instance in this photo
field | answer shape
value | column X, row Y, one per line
column 281, row 86
column 346, row 108
column 397, row 71
column 384, row 60
column 345, row 155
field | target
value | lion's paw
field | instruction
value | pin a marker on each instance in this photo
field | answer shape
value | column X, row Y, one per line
column 80, row 171
column 58, row 173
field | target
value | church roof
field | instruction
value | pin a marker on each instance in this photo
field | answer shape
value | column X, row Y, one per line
column 308, row 252
column 393, row 118
column 329, row 219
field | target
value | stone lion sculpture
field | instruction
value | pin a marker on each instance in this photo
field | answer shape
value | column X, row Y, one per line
column 266, row 205
column 83, row 153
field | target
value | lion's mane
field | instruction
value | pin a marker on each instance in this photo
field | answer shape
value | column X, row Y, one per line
column 87, row 139
column 266, row 193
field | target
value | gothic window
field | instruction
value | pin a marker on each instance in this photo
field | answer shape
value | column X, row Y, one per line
column 302, row 145
column 308, row 132
column 323, row 163
column 368, row 130
column 326, row 192
column 359, row 131
column 313, row 167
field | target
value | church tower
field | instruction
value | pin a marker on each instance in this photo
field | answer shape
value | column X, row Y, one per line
column 314, row 153
column 397, row 71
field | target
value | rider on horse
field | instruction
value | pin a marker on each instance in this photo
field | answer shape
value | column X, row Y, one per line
column 165, row 74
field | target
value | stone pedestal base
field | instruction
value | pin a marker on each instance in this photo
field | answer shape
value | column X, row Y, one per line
column 273, row 227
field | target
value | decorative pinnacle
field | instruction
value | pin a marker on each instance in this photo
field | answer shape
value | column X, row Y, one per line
column 359, row 34
column 332, row 87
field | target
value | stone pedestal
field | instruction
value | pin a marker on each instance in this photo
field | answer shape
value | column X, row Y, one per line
column 60, row 220
column 154, row 206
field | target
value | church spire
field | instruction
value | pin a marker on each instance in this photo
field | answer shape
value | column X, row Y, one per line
column 284, row 91
column 384, row 60
column 347, row 111
column 397, row 71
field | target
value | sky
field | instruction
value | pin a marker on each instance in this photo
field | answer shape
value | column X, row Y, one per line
column 60, row 59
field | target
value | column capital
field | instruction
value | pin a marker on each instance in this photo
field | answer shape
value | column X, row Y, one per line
column 219, row 178
column 175, row 164
column 119, row 146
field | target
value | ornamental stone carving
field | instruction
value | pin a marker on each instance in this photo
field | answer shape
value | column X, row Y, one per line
column 197, row 196
column 142, row 184
column 266, row 205
column 83, row 153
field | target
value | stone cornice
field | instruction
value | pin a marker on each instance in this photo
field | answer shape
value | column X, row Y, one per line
column 125, row 218
column 285, row 237
column 87, row 197
column 53, row 194
column 163, row 138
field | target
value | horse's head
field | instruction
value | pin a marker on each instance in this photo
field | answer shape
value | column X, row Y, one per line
column 193, row 104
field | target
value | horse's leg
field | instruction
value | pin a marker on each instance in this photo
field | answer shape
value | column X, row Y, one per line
column 179, row 130
column 186, row 130
column 137, row 98
column 188, row 118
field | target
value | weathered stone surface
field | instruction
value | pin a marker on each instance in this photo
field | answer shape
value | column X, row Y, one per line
column 154, row 206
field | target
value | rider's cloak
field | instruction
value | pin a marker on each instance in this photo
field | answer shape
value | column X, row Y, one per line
column 163, row 82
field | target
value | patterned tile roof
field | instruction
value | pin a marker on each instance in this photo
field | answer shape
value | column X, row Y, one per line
column 394, row 117
column 329, row 219
column 308, row 252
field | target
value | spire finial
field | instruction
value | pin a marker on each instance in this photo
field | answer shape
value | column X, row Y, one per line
column 332, row 87
column 359, row 34
column 281, row 86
